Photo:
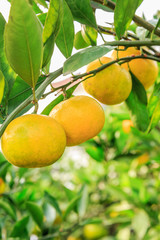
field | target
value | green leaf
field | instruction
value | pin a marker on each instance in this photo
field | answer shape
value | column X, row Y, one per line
column 53, row 20
column 79, row 41
column 137, row 103
column 83, row 201
column 23, row 41
column 65, row 37
column 8, row 209
column 97, row 5
column 48, row 50
column 42, row 3
column 2, row 84
column 52, row 200
column 154, row 107
column 42, row 17
column 141, row 229
column 71, row 206
column 36, row 213
column 59, row 99
column 8, row 73
column 123, row 14
column 19, row 229
column 89, row 35
column 91, row 221
column 84, row 57
column 3, row 168
column 82, row 12
column 19, row 93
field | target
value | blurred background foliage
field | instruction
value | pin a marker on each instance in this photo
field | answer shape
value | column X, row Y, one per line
column 111, row 182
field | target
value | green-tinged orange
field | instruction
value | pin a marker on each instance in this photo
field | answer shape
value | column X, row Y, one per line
column 94, row 231
column 145, row 70
column 111, row 85
column 82, row 118
column 2, row 186
column 33, row 141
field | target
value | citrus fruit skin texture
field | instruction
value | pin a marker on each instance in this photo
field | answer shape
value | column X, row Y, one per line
column 126, row 126
column 94, row 231
column 82, row 118
column 33, row 141
column 109, row 86
column 145, row 70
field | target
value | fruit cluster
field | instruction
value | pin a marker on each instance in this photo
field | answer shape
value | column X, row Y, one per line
column 36, row 140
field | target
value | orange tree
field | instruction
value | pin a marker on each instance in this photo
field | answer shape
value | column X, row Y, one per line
column 111, row 182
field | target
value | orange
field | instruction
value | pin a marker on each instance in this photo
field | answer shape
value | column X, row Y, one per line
column 2, row 186
column 33, row 141
column 126, row 126
column 82, row 118
column 109, row 86
column 94, row 231
column 145, row 70
column 144, row 158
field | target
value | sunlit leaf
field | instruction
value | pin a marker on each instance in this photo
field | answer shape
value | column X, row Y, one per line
column 23, row 41
column 65, row 36
column 79, row 41
column 71, row 206
column 53, row 20
column 123, row 14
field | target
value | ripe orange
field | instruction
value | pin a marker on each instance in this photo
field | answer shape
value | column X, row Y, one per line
column 33, row 141
column 82, row 118
column 144, row 158
column 94, row 231
column 145, row 70
column 2, row 186
column 126, row 126
column 109, row 86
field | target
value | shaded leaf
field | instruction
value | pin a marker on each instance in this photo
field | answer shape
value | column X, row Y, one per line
column 53, row 20
column 123, row 14
column 52, row 200
column 36, row 213
column 100, row 6
column 23, row 41
column 71, row 206
column 48, row 49
column 3, row 168
column 84, row 57
column 19, row 229
column 65, row 37
column 59, row 99
column 82, row 12
column 137, row 103
column 8, row 209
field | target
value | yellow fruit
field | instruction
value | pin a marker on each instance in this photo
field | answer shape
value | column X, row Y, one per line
column 82, row 118
column 33, row 141
column 144, row 69
column 109, row 86
column 73, row 238
column 2, row 186
column 126, row 126
column 94, row 231
column 144, row 158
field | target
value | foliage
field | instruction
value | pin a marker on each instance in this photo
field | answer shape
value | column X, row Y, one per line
column 111, row 180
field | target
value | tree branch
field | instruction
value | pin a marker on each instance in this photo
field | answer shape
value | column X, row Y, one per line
column 138, row 20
